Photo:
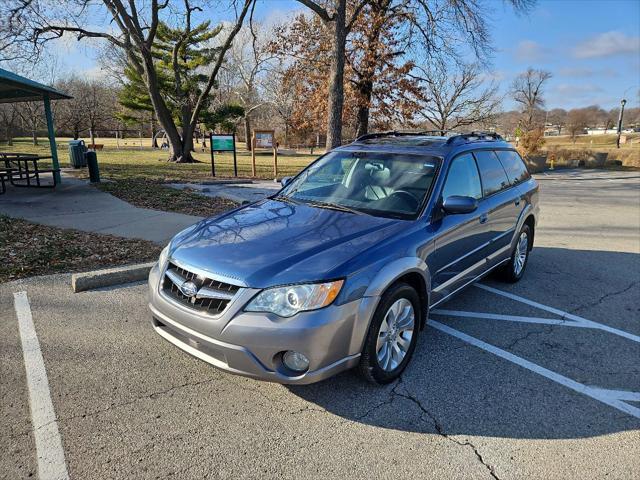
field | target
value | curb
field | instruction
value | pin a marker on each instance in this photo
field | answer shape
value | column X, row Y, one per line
column 81, row 282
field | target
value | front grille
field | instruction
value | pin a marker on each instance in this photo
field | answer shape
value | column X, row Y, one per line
column 212, row 297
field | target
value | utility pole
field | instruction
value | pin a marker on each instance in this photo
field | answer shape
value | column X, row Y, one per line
column 622, row 104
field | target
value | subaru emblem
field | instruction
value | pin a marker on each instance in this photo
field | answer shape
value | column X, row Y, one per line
column 188, row 289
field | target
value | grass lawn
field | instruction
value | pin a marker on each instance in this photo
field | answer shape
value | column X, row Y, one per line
column 145, row 163
column 628, row 153
column 28, row 249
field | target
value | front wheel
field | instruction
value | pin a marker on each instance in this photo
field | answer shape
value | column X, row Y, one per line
column 392, row 335
column 513, row 270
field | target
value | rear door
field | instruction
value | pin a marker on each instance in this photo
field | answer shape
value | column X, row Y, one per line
column 501, row 201
column 460, row 239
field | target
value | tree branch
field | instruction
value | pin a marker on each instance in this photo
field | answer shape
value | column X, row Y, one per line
column 223, row 50
column 321, row 12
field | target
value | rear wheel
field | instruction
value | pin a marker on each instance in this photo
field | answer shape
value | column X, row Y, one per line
column 392, row 335
column 513, row 270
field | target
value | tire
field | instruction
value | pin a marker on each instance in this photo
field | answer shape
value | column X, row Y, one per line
column 514, row 269
column 400, row 303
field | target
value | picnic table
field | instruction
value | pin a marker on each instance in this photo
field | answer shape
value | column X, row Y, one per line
column 5, row 174
column 21, row 169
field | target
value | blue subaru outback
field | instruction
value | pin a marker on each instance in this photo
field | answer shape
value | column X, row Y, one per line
column 340, row 267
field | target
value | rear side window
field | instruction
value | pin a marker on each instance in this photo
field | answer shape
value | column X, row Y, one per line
column 513, row 165
column 493, row 175
column 463, row 178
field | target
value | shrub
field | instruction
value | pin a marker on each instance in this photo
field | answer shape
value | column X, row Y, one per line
column 531, row 142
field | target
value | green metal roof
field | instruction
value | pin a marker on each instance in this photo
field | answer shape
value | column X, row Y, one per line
column 14, row 88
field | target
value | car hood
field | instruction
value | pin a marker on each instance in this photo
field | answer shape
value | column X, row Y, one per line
column 274, row 242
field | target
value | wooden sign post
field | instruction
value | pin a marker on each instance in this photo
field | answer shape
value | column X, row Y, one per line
column 253, row 154
column 264, row 139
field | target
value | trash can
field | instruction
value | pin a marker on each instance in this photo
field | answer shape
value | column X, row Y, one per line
column 91, row 159
column 77, row 149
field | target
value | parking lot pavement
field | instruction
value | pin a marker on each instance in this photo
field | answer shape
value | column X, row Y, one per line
column 540, row 379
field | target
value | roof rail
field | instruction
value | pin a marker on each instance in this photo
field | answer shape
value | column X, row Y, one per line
column 395, row 133
column 474, row 136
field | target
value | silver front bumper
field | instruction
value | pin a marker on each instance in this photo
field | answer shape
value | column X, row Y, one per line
column 250, row 344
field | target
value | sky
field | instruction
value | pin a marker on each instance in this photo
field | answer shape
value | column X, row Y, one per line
column 591, row 47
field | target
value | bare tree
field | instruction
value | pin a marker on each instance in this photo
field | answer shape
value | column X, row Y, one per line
column 8, row 121
column 558, row 118
column 248, row 60
column 31, row 117
column 577, row 122
column 455, row 96
column 132, row 28
column 71, row 114
column 527, row 90
column 281, row 96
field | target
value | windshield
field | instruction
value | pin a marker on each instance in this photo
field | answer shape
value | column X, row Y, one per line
column 376, row 183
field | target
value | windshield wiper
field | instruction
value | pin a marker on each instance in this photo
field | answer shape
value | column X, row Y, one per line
column 284, row 198
column 334, row 206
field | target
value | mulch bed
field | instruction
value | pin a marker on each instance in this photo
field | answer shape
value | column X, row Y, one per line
column 29, row 249
column 146, row 194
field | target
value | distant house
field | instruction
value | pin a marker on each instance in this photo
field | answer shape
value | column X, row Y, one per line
column 600, row 131
column 552, row 130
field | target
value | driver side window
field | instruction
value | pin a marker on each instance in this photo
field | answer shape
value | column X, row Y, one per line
column 463, row 178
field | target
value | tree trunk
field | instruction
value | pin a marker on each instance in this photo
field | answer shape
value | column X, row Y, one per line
column 247, row 132
column 34, row 136
column 92, row 135
column 336, row 77
column 187, row 145
column 76, row 133
column 365, row 91
column 163, row 114
column 362, row 120
column 154, row 139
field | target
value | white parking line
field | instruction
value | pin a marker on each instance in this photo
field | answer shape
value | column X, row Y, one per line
column 51, row 463
column 613, row 398
column 564, row 315
column 506, row 318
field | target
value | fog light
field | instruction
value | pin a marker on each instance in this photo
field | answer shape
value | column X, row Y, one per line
column 295, row 361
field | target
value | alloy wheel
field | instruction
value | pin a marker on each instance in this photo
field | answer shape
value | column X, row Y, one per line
column 522, row 250
column 394, row 335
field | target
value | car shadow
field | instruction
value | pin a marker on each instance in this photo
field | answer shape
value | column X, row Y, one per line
column 454, row 388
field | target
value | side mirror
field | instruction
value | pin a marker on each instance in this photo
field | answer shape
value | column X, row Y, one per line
column 285, row 181
column 459, row 204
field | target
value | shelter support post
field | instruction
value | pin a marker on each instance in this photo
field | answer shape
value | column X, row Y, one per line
column 52, row 139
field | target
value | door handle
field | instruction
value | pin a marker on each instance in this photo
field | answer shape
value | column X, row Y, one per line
column 483, row 218
column 517, row 201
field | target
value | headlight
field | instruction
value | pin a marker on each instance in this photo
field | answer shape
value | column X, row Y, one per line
column 287, row 301
column 163, row 256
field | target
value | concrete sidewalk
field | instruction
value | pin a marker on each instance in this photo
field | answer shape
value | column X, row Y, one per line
column 240, row 192
column 76, row 204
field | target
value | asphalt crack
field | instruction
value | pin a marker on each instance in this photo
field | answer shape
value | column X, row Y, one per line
column 546, row 330
column 604, row 297
column 407, row 395
column 147, row 396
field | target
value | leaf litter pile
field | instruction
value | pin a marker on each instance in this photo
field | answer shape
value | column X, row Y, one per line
column 146, row 194
column 28, row 249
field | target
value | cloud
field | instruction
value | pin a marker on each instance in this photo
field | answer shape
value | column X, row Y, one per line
column 530, row 51
column 577, row 89
column 587, row 72
column 607, row 44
